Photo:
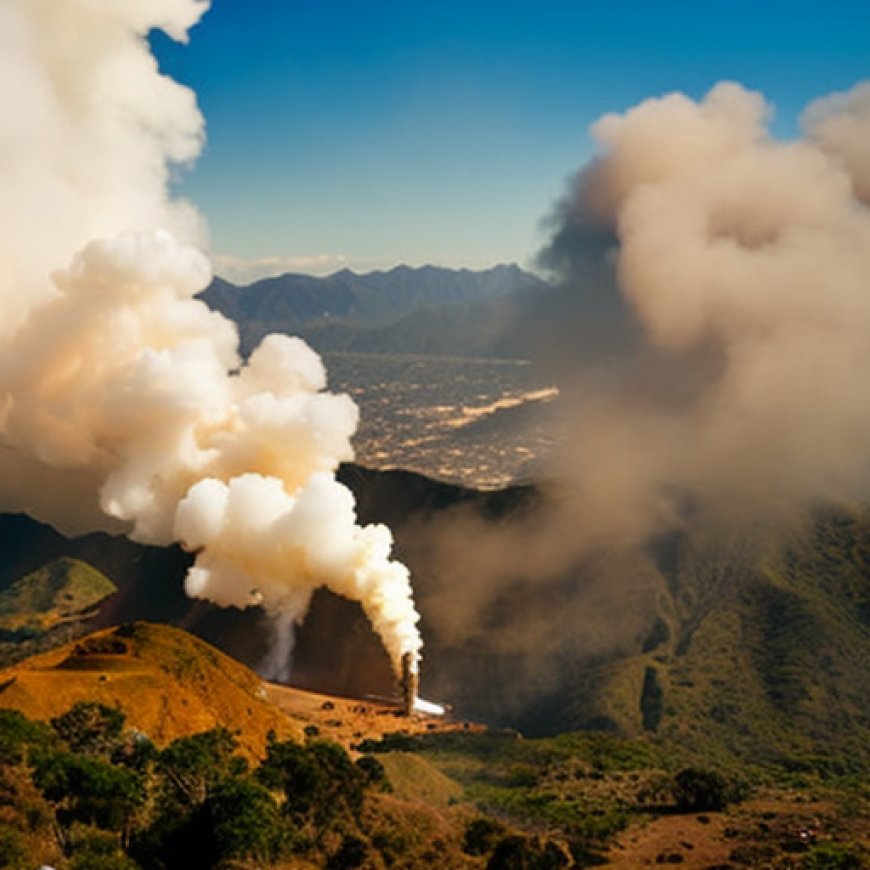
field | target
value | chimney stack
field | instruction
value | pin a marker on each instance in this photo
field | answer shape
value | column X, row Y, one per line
column 409, row 683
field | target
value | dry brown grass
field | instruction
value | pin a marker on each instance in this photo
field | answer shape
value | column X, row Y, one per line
column 168, row 683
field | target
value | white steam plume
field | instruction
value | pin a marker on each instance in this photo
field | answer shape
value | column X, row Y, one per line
column 123, row 402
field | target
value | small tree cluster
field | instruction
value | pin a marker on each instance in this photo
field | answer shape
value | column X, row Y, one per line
column 117, row 802
column 698, row 790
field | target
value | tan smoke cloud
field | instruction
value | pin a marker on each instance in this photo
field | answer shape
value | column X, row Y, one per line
column 757, row 251
column 840, row 125
column 744, row 262
column 123, row 402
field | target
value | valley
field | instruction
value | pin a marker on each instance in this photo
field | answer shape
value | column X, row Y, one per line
column 481, row 423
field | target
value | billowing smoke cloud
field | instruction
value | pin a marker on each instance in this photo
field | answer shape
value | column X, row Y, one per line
column 746, row 262
column 123, row 402
column 739, row 393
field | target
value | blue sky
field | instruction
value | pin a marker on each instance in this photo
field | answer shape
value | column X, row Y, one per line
column 375, row 132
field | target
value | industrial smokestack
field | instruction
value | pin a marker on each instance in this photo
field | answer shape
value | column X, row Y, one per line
column 409, row 683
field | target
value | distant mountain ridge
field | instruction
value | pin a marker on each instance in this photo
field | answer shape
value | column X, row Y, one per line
column 349, row 311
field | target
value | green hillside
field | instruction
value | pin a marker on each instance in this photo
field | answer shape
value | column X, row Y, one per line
column 63, row 591
column 758, row 652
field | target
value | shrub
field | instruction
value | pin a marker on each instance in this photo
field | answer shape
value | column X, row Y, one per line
column 192, row 766
column 90, row 728
column 373, row 773
column 319, row 781
column 13, row 852
column 93, row 849
column 245, row 821
column 517, row 852
column 481, row 835
column 88, row 789
column 352, row 853
column 651, row 700
column 697, row 790
column 833, row 856
column 18, row 732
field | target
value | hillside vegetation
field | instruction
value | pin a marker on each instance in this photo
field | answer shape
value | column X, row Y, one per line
column 749, row 647
column 154, row 750
column 51, row 606
column 758, row 651
column 85, row 791
column 62, row 591
column 746, row 645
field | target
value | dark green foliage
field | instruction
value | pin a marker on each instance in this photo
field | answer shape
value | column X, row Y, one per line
column 517, row 852
column 177, row 837
column 481, row 836
column 93, row 849
column 651, row 700
column 18, row 732
column 193, row 766
column 585, row 854
column 373, row 773
column 88, row 789
column 605, row 752
column 697, row 790
column 833, row 856
column 116, row 861
column 659, row 634
column 541, row 784
column 91, row 728
column 245, row 822
column 352, row 853
column 788, row 632
column 191, row 771
column 319, row 781
column 136, row 751
column 13, row 852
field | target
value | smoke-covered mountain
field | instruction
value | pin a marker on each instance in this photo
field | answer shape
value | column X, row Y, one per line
column 750, row 645
column 394, row 311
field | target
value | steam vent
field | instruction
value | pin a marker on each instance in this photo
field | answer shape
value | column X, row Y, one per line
column 408, row 684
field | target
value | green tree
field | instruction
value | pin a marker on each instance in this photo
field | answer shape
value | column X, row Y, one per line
column 190, row 772
column 697, row 790
column 13, row 851
column 93, row 849
column 91, row 728
column 88, row 789
column 245, row 822
column 17, row 733
column 481, row 836
column 352, row 853
column 319, row 781
column 374, row 774
column 192, row 766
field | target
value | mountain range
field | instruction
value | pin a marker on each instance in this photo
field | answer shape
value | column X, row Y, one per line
column 370, row 312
